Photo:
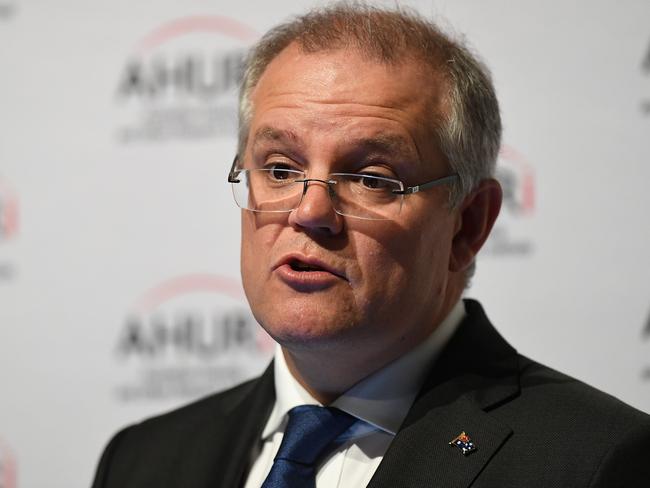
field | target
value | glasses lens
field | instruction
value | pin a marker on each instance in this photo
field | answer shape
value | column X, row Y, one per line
column 354, row 195
column 366, row 196
column 268, row 190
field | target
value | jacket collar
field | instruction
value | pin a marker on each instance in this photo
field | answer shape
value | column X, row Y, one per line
column 477, row 371
column 245, row 416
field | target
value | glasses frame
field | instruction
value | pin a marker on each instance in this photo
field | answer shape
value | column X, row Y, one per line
column 407, row 190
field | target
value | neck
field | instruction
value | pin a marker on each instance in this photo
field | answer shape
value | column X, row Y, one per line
column 323, row 379
column 328, row 372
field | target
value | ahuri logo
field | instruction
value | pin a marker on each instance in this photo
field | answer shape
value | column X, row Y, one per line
column 8, row 474
column 645, row 70
column 645, row 337
column 180, row 82
column 510, row 235
column 188, row 336
column 8, row 212
column 7, row 11
column 645, row 64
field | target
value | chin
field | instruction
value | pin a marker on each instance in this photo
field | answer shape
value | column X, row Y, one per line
column 308, row 333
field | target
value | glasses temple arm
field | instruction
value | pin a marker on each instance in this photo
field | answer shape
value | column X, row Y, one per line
column 232, row 174
column 429, row 184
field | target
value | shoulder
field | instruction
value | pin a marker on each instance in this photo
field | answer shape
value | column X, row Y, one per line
column 575, row 429
column 182, row 421
column 183, row 444
column 541, row 395
column 562, row 432
column 555, row 394
column 195, row 414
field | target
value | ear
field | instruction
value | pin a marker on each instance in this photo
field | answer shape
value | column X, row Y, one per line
column 476, row 217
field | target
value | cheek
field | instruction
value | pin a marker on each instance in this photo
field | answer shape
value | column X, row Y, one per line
column 259, row 233
column 382, row 268
column 257, row 242
column 403, row 267
column 247, row 242
column 432, row 266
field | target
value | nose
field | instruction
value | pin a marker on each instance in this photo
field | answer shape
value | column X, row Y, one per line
column 315, row 211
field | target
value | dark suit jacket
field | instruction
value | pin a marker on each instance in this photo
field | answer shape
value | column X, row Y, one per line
column 532, row 426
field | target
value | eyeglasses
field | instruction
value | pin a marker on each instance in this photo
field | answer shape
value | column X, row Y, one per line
column 359, row 195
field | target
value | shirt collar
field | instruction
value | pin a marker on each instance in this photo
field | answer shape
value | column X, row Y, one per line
column 383, row 398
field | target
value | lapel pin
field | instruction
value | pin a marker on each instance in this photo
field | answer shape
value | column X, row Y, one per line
column 464, row 443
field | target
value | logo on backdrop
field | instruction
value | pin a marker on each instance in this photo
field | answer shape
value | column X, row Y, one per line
column 646, row 337
column 7, row 11
column 8, row 224
column 180, row 82
column 189, row 336
column 645, row 69
column 510, row 235
column 7, row 467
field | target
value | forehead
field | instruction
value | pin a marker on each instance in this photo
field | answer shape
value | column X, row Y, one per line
column 379, row 142
column 344, row 93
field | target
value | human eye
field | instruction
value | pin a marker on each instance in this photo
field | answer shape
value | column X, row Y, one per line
column 372, row 182
column 375, row 180
column 282, row 170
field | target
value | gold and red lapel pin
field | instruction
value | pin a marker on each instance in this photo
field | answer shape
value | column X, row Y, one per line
column 464, row 443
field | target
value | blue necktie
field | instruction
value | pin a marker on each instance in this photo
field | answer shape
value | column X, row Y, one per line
column 309, row 433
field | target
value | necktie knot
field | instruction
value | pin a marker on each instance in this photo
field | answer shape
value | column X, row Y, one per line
column 310, row 430
column 308, row 436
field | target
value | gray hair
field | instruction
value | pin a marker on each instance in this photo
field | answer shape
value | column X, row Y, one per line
column 468, row 134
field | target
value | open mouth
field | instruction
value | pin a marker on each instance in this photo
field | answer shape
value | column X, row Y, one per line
column 308, row 273
column 297, row 265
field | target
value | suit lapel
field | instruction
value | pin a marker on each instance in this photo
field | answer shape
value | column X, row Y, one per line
column 420, row 455
column 477, row 371
column 243, row 425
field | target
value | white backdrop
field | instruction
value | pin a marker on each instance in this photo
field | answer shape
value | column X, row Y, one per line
column 119, row 282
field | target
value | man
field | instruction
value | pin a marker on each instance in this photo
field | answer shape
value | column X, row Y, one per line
column 367, row 144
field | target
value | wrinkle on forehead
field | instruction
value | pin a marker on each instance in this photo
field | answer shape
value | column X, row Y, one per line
column 344, row 95
column 380, row 143
column 337, row 90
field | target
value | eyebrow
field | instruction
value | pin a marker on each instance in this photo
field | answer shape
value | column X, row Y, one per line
column 388, row 144
column 271, row 134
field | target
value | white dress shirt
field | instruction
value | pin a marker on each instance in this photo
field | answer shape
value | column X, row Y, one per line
column 380, row 402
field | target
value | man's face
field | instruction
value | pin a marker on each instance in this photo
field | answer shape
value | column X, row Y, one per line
column 315, row 278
